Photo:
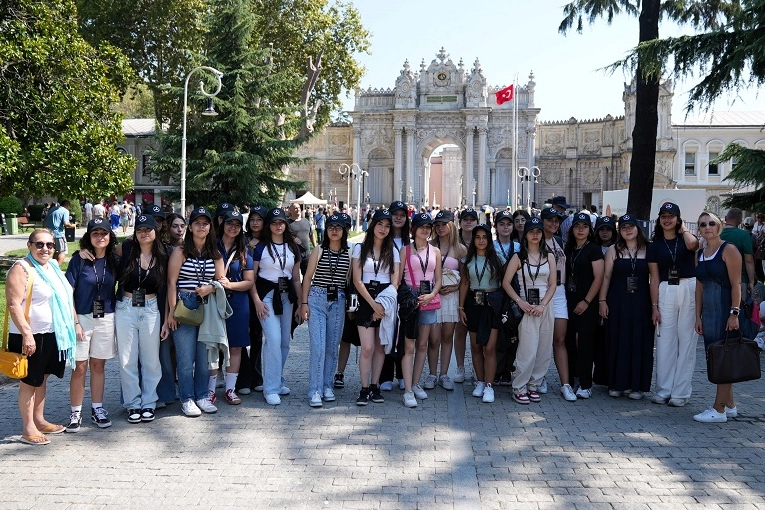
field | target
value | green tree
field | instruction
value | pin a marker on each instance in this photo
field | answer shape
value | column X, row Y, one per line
column 137, row 103
column 58, row 134
column 240, row 156
column 697, row 13
column 749, row 170
column 159, row 37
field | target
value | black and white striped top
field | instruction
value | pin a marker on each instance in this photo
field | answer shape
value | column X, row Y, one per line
column 196, row 272
column 331, row 269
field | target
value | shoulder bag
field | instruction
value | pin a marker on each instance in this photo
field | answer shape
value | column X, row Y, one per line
column 12, row 364
column 435, row 303
column 733, row 360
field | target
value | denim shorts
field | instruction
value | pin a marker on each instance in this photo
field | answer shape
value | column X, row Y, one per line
column 190, row 298
column 426, row 317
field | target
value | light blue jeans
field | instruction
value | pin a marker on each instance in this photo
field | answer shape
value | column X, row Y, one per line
column 276, row 343
column 325, row 327
column 138, row 342
column 193, row 365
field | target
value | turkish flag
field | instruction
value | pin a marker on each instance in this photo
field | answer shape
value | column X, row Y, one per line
column 504, row 95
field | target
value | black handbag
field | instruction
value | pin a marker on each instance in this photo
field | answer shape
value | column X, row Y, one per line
column 733, row 360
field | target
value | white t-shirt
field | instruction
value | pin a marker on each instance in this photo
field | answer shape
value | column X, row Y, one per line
column 368, row 271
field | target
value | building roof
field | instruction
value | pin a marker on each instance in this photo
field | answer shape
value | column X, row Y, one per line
column 717, row 118
column 132, row 128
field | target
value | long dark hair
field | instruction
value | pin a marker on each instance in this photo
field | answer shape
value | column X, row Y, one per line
column 158, row 252
column 658, row 231
column 209, row 250
column 246, row 227
column 406, row 229
column 169, row 219
column 524, row 253
column 288, row 237
column 571, row 241
column 515, row 235
column 621, row 245
column 240, row 246
column 111, row 257
column 343, row 241
column 386, row 250
column 495, row 265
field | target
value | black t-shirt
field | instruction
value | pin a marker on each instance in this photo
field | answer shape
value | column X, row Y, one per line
column 579, row 270
column 662, row 251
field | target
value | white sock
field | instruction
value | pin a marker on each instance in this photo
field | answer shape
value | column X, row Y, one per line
column 231, row 381
column 96, row 405
column 213, row 381
column 77, row 409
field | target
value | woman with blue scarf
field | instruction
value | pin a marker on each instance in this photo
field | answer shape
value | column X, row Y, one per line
column 41, row 309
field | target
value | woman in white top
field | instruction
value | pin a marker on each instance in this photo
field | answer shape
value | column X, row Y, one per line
column 537, row 283
column 375, row 267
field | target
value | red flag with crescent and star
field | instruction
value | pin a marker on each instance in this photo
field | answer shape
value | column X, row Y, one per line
column 504, row 95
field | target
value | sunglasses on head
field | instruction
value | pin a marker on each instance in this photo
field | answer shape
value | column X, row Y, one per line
column 40, row 245
column 707, row 224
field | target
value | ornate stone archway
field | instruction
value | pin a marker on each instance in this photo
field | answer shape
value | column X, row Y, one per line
column 442, row 103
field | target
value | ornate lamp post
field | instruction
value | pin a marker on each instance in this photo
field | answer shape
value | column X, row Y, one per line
column 209, row 111
column 346, row 171
column 527, row 175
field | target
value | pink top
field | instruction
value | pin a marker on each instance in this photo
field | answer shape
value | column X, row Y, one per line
column 425, row 258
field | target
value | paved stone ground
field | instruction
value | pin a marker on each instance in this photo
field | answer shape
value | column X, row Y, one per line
column 450, row 452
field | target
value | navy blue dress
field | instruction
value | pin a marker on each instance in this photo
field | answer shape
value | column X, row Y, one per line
column 238, row 325
column 716, row 302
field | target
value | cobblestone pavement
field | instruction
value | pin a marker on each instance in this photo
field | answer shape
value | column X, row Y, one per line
column 452, row 451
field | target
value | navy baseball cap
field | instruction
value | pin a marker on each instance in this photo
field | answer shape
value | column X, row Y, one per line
column 582, row 218
column 145, row 221
column 605, row 221
column 627, row 219
column 223, row 209
column 381, row 214
column 337, row 219
column 444, row 217
column 156, row 211
column 398, row 205
column 670, row 208
column 198, row 213
column 98, row 224
column 504, row 215
column 233, row 216
column 549, row 213
column 469, row 212
column 260, row 210
column 276, row 214
column 533, row 223
column 422, row 219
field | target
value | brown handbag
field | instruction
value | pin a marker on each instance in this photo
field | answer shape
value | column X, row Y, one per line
column 13, row 364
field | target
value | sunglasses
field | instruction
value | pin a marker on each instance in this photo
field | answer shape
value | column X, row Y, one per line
column 709, row 224
column 40, row 245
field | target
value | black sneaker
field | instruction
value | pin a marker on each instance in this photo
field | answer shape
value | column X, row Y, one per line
column 75, row 420
column 99, row 417
column 147, row 414
column 363, row 397
column 134, row 416
column 376, row 397
column 339, row 382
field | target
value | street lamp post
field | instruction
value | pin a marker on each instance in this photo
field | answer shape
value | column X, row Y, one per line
column 360, row 174
column 527, row 175
column 209, row 111
column 346, row 171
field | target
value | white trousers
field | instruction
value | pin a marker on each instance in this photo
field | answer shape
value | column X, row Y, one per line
column 535, row 340
column 676, row 339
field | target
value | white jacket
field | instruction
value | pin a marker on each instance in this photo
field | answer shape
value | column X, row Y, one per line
column 388, row 298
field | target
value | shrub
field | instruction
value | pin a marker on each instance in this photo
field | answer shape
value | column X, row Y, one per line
column 11, row 205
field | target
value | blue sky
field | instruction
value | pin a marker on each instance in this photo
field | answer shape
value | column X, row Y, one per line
column 516, row 36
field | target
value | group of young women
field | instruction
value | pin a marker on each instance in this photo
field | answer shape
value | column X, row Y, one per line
column 411, row 292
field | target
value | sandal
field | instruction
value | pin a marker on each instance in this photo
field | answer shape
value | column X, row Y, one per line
column 35, row 440
column 53, row 429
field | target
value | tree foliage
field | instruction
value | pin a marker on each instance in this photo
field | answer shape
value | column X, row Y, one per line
column 749, row 170
column 58, row 135
column 697, row 13
column 240, row 156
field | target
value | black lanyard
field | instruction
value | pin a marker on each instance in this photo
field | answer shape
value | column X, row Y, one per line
column 200, row 275
column 282, row 261
column 397, row 246
column 502, row 248
column 333, row 269
column 555, row 249
column 528, row 269
column 146, row 275
column 427, row 258
column 672, row 254
column 375, row 263
column 633, row 260
column 475, row 267
column 103, row 276
column 573, row 257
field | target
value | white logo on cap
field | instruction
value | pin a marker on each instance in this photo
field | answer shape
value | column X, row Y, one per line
column 276, row 212
column 98, row 221
column 142, row 218
column 385, row 211
column 627, row 217
column 202, row 210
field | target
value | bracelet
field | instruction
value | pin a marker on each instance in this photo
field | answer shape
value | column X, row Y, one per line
column 655, row 304
column 601, row 301
column 460, row 308
column 585, row 300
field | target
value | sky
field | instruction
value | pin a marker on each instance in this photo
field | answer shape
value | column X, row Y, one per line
column 518, row 36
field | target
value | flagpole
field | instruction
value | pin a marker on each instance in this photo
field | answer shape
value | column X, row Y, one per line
column 515, row 141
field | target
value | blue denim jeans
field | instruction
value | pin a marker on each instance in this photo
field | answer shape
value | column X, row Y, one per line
column 276, row 343
column 192, row 362
column 138, row 342
column 325, row 327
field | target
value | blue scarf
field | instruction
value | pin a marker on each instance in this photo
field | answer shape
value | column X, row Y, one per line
column 62, row 309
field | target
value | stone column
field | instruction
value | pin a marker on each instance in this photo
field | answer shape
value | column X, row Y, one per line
column 467, row 178
column 397, row 163
column 410, row 162
column 481, row 197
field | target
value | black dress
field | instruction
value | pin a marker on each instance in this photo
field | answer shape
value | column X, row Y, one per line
column 630, row 329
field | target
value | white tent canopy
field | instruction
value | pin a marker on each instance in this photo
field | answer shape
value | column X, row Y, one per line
column 308, row 199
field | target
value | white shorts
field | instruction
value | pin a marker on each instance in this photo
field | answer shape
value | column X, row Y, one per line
column 100, row 339
column 560, row 307
column 448, row 311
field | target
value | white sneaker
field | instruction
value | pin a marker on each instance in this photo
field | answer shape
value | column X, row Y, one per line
column 430, row 382
column 206, row 405
column 329, row 395
column 658, row 399
column 284, row 390
column 677, row 402
column 488, row 395
column 409, row 400
column 480, row 387
column 711, row 416
column 459, row 375
column 445, row 382
column 543, row 386
column 273, row 399
column 582, row 393
column 401, row 385
column 316, row 399
column 731, row 412
column 244, row 391
column 567, row 392
column 190, row 408
column 419, row 392
column 387, row 386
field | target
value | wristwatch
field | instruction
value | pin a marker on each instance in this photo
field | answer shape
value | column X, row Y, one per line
column 734, row 311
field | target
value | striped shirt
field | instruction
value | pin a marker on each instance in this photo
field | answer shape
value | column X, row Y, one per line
column 332, row 269
column 196, row 272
